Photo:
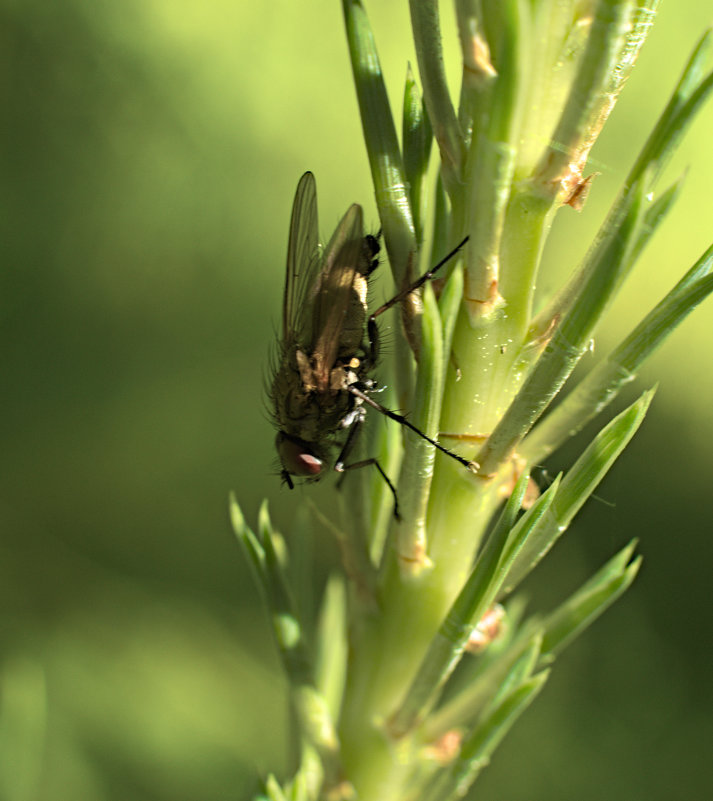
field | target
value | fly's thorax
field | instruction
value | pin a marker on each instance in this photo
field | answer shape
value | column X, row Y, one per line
column 345, row 372
column 344, row 375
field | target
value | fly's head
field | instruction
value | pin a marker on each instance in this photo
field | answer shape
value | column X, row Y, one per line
column 299, row 458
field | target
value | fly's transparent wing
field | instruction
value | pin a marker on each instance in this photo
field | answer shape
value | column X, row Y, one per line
column 339, row 295
column 303, row 260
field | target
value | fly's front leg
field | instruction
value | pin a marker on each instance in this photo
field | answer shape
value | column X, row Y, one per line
column 342, row 468
column 404, row 293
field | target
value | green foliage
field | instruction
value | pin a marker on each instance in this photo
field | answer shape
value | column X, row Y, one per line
column 149, row 156
column 484, row 370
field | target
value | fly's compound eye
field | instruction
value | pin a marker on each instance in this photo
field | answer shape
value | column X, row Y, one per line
column 297, row 457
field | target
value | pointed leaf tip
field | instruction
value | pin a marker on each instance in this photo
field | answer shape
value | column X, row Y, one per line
column 237, row 519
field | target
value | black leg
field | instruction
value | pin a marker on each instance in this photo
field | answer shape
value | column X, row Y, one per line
column 371, row 327
column 416, row 284
column 399, row 418
column 373, row 249
column 354, row 430
column 340, row 467
column 375, row 462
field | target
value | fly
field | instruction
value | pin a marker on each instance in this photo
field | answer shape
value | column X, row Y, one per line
column 329, row 346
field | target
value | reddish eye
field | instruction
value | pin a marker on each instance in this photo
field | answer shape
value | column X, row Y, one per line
column 297, row 456
column 310, row 465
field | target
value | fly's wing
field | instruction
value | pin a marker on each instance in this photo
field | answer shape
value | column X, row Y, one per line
column 303, row 260
column 335, row 292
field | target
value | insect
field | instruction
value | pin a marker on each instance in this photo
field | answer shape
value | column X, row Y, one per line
column 322, row 384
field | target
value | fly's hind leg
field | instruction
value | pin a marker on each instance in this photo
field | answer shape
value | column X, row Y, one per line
column 399, row 418
column 342, row 468
column 375, row 462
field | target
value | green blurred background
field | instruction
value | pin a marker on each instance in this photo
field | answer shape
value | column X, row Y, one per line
column 150, row 150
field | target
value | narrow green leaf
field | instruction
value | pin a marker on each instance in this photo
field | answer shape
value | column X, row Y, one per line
column 316, row 723
column 461, row 710
column 441, row 226
column 386, row 444
column 311, row 707
column 689, row 95
column 654, row 216
column 330, row 668
column 479, row 746
column 602, row 384
column 298, row 788
column 592, row 94
column 520, row 672
column 662, row 320
column 419, row 456
column 591, row 467
column 249, row 543
column 491, row 158
column 237, row 519
column 273, row 791
column 700, row 270
column 686, row 100
column 603, row 271
column 579, row 483
column 448, row 305
column 309, row 779
column 417, row 139
column 642, row 21
column 612, row 568
column 429, row 52
column 591, row 600
column 506, row 521
column 429, row 379
column 285, row 623
column 525, row 527
column 695, row 69
column 382, row 144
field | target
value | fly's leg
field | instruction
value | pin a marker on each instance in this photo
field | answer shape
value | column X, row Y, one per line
column 399, row 418
column 348, row 447
column 419, row 282
column 375, row 462
column 372, row 249
column 372, row 330
column 342, row 468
